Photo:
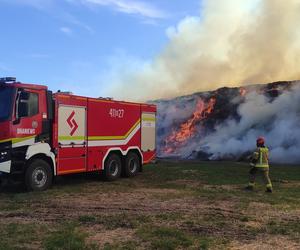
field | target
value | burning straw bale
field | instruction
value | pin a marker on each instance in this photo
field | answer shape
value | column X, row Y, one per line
column 223, row 124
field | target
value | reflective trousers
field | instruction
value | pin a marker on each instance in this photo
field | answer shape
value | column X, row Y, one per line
column 264, row 172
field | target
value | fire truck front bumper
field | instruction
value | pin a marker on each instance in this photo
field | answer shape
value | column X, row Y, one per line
column 5, row 157
column 5, row 167
column 4, row 171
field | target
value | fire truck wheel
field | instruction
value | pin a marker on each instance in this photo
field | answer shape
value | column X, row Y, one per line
column 38, row 176
column 112, row 168
column 132, row 164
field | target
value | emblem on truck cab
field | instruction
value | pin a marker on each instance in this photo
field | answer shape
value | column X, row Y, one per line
column 72, row 123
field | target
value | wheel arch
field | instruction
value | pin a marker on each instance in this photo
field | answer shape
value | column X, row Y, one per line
column 122, row 154
column 117, row 152
column 41, row 151
column 43, row 157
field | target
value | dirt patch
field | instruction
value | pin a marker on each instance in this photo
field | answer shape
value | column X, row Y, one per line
column 187, row 183
column 267, row 243
column 256, row 225
column 222, row 187
column 143, row 201
column 111, row 236
column 265, row 212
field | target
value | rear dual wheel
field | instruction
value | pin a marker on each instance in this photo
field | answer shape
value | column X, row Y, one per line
column 132, row 164
column 113, row 166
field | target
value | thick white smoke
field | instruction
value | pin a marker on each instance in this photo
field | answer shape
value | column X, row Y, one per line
column 232, row 42
column 278, row 121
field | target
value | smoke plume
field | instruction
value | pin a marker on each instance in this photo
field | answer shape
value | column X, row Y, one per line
column 278, row 121
column 231, row 43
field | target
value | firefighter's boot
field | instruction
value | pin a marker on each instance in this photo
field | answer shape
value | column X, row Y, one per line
column 269, row 188
column 250, row 186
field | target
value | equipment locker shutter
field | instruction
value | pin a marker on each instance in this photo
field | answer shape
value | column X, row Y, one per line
column 148, row 131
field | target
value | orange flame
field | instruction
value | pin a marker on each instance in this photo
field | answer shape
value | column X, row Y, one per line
column 178, row 137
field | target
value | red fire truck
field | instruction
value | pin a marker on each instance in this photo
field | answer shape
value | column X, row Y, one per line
column 43, row 135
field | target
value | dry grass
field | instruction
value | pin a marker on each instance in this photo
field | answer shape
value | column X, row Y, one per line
column 169, row 206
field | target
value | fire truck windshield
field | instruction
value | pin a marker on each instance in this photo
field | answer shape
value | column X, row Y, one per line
column 6, row 102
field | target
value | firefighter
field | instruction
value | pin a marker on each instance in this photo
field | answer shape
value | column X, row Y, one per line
column 260, row 165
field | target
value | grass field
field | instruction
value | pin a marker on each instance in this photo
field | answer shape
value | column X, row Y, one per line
column 171, row 205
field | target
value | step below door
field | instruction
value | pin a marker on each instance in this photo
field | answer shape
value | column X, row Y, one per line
column 72, row 151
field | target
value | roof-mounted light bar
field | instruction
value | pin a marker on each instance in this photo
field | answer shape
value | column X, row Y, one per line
column 7, row 79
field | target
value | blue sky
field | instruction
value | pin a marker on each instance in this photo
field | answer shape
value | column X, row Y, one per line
column 73, row 44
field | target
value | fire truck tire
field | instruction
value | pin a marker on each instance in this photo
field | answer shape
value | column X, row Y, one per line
column 38, row 175
column 132, row 165
column 112, row 167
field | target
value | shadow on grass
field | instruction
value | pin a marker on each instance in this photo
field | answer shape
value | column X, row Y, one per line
column 72, row 181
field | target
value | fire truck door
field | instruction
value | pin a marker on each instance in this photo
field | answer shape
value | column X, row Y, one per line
column 72, row 150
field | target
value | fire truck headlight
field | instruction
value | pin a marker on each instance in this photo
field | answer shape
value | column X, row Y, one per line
column 4, row 156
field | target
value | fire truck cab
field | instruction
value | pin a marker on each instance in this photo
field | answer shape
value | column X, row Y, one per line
column 43, row 135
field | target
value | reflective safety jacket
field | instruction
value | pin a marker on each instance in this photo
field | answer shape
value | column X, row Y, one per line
column 261, row 156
